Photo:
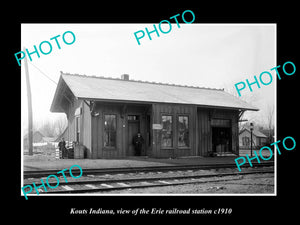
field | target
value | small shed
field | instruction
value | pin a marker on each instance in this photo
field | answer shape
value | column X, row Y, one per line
column 37, row 137
column 258, row 138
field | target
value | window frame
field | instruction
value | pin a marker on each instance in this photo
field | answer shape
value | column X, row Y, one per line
column 189, row 131
column 246, row 141
column 172, row 136
column 104, row 131
column 77, row 128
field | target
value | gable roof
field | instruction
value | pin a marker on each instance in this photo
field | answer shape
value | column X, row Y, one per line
column 34, row 134
column 114, row 89
column 255, row 132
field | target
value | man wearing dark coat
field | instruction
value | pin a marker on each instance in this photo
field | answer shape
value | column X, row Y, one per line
column 62, row 147
column 138, row 141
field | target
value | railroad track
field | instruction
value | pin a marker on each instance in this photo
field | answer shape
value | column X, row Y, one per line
column 45, row 173
column 106, row 185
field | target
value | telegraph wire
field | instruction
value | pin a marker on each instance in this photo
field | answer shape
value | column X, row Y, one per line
column 50, row 79
column 43, row 73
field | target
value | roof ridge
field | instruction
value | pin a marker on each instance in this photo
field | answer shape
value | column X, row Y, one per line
column 139, row 81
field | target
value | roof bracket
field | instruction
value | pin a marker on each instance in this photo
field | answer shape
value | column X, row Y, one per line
column 92, row 106
column 241, row 113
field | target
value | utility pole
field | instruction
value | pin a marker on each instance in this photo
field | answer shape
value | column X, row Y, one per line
column 251, row 131
column 30, row 135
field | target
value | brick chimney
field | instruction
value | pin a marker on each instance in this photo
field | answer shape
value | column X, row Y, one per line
column 125, row 77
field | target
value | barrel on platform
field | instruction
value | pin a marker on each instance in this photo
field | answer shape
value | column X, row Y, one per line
column 79, row 151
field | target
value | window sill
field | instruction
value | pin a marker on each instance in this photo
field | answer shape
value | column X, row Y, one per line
column 172, row 148
column 167, row 148
column 109, row 148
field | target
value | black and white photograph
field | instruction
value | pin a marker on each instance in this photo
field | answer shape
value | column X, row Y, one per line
column 158, row 117
column 171, row 112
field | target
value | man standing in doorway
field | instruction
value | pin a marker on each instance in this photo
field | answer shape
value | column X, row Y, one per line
column 138, row 142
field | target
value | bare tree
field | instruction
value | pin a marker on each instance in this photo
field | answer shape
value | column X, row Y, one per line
column 60, row 125
column 270, row 122
column 48, row 129
column 270, row 117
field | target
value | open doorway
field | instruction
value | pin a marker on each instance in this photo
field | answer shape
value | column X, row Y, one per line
column 221, row 140
column 133, row 129
column 138, row 123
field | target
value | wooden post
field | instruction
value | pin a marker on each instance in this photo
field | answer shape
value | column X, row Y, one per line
column 30, row 135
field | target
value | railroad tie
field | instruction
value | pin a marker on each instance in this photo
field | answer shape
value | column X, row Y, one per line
column 68, row 188
column 123, row 184
column 106, row 185
column 164, row 182
column 91, row 186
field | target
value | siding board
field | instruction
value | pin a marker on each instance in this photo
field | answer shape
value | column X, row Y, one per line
column 199, row 128
column 86, row 128
column 174, row 110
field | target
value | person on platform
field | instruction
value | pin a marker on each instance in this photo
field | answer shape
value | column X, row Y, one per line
column 138, row 141
column 62, row 147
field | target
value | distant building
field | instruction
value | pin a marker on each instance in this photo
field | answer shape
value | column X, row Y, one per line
column 104, row 114
column 49, row 140
column 37, row 137
column 258, row 138
column 38, row 140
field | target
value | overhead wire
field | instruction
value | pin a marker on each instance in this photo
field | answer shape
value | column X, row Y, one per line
column 50, row 80
column 43, row 73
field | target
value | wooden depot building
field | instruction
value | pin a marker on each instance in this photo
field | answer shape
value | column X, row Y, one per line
column 174, row 120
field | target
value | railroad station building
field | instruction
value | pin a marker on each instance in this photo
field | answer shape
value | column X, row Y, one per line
column 104, row 114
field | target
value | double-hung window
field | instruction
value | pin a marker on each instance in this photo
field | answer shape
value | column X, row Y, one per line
column 110, row 130
column 77, row 129
column 167, row 131
column 183, row 131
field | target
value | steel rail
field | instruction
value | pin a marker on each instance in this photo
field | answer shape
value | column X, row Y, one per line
column 45, row 173
column 143, row 179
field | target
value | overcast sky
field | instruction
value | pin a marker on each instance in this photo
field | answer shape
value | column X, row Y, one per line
column 206, row 55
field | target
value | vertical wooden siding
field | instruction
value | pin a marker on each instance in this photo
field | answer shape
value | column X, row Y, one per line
column 86, row 128
column 205, row 116
column 200, row 131
column 204, row 132
column 141, row 111
column 98, row 149
column 97, row 128
column 174, row 110
column 70, row 134
column 233, row 116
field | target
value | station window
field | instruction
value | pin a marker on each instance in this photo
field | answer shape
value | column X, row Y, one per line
column 246, row 141
column 183, row 131
column 77, row 129
column 133, row 118
column 167, row 132
column 110, row 130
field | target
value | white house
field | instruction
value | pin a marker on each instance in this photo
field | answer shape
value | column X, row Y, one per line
column 258, row 138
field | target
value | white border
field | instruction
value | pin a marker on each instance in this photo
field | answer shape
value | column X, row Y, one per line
column 220, row 194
